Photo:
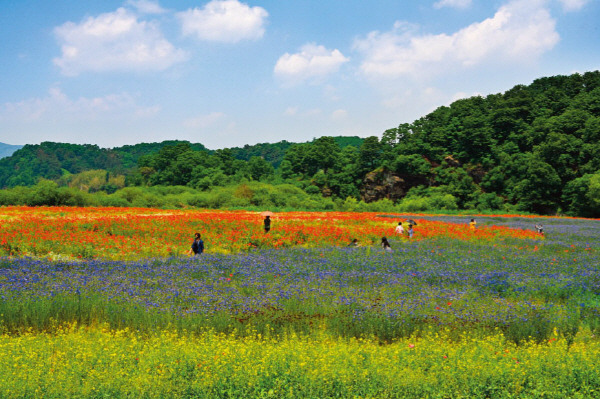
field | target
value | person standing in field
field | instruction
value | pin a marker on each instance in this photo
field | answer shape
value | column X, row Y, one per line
column 197, row 245
column 399, row 229
column 411, row 231
column 386, row 245
column 267, row 223
column 540, row 228
column 472, row 224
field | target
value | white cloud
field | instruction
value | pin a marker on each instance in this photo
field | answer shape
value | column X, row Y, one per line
column 290, row 111
column 58, row 105
column 519, row 33
column 297, row 112
column 114, row 41
column 331, row 93
column 147, row 6
column 204, row 121
column 453, row 3
column 311, row 62
column 573, row 5
column 226, row 21
column 339, row 114
column 404, row 97
column 313, row 112
column 105, row 120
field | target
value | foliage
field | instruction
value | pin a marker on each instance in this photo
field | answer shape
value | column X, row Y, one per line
column 532, row 148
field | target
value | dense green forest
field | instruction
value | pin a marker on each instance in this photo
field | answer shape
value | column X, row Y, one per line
column 531, row 149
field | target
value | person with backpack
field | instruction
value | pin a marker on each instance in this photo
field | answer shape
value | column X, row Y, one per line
column 197, row 245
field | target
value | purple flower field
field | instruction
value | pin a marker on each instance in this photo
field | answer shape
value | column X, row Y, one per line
column 526, row 288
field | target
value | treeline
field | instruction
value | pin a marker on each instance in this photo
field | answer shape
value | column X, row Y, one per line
column 250, row 196
column 531, row 149
column 53, row 161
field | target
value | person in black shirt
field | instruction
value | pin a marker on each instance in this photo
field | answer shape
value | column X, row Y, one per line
column 386, row 245
column 267, row 223
column 197, row 245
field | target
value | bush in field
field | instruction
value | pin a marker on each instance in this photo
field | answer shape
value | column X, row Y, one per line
column 581, row 196
column 93, row 181
column 111, row 200
column 14, row 196
column 383, row 205
column 46, row 193
column 421, row 199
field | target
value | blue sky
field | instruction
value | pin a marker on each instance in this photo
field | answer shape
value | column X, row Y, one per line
column 229, row 73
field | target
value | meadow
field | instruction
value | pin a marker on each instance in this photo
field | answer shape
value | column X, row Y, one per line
column 105, row 303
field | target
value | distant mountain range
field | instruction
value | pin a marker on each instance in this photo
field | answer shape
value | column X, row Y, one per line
column 6, row 150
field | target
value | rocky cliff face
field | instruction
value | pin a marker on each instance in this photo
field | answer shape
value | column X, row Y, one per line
column 381, row 184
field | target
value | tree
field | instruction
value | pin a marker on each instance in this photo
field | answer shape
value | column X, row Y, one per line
column 181, row 169
column 391, row 139
column 562, row 152
column 369, row 154
column 539, row 190
column 411, row 165
column 325, row 153
column 227, row 160
column 259, row 168
column 581, row 196
column 285, row 169
column 458, row 183
column 594, row 192
column 302, row 159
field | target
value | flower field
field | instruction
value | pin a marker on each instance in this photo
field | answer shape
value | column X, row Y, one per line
column 129, row 234
column 104, row 303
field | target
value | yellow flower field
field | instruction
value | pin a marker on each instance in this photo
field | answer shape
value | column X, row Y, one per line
column 97, row 362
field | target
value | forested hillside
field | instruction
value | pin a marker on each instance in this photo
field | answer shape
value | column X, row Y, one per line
column 533, row 148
